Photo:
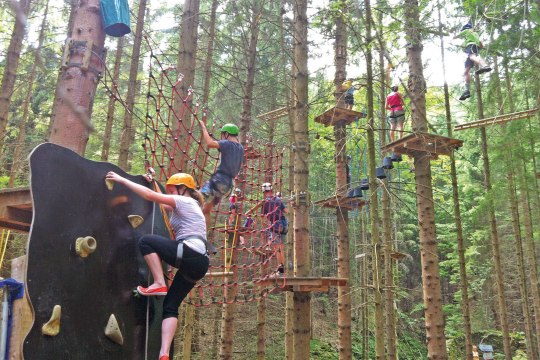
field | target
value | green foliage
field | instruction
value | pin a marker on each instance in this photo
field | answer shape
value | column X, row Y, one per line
column 322, row 351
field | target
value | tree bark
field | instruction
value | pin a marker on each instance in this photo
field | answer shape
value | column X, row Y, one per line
column 107, row 134
column 76, row 88
column 373, row 201
column 464, row 282
column 21, row 11
column 495, row 243
column 434, row 318
column 342, row 215
column 128, row 131
column 245, row 117
column 302, row 300
column 186, row 72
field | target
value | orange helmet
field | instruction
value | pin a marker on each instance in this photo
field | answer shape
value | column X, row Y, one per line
column 182, row 179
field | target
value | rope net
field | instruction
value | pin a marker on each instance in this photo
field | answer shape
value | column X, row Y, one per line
column 245, row 266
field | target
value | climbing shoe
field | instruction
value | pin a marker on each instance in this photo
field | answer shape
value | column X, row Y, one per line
column 483, row 70
column 164, row 357
column 152, row 292
column 466, row 94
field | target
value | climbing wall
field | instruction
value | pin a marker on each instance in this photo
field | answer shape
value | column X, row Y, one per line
column 71, row 201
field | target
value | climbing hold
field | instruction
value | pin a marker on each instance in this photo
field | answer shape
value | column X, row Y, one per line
column 109, row 183
column 84, row 246
column 135, row 220
column 112, row 331
column 52, row 327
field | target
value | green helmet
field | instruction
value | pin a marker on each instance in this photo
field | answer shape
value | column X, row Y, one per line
column 230, row 128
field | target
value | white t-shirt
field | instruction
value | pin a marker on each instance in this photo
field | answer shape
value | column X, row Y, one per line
column 187, row 219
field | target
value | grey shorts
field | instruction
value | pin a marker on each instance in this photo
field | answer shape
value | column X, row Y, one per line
column 275, row 238
column 396, row 116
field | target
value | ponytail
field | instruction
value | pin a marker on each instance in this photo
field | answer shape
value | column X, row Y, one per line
column 196, row 195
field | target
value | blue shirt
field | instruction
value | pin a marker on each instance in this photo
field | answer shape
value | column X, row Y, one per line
column 232, row 156
column 274, row 208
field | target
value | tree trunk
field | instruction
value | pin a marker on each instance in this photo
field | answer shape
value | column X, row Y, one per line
column 389, row 296
column 514, row 209
column 209, row 52
column 128, row 131
column 302, row 300
column 21, row 10
column 342, row 215
column 188, row 331
column 377, row 263
column 495, row 243
column 531, row 254
column 463, row 280
column 186, row 72
column 107, row 134
column 434, row 319
column 21, row 137
column 76, row 88
column 245, row 117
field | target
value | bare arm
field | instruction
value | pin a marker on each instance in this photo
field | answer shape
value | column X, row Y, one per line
column 211, row 143
column 142, row 191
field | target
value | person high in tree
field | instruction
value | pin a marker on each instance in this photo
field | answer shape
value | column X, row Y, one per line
column 396, row 107
column 472, row 46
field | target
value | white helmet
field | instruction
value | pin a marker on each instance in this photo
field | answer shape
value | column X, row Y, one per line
column 237, row 190
column 267, row 187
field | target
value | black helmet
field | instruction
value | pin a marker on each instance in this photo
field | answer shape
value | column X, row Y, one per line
column 466, row 26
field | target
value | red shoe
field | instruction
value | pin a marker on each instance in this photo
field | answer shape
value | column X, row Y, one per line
column 152, row 292
column 164, row 357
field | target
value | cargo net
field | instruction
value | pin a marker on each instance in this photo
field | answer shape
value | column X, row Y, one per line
column 246, row 266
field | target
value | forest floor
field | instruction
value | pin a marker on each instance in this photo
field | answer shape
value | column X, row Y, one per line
column 324, row 317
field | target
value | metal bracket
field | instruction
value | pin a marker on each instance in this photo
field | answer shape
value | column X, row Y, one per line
column 301, row 146
column 302, row 198
column 86, row 49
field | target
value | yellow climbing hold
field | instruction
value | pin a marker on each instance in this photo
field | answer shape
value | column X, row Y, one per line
column 135, row 220
column 52, row 327
column 109, row 183
column 112, row 331
column 84, row 246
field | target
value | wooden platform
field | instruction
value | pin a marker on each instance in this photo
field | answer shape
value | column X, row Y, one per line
column 420, row 142
column 274, row 114
column 338, row 115
column 16, row 209
column 303, row 284
column 343, row 202
column 497, row 119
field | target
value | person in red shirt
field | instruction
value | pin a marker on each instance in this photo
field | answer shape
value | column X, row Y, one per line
column 394, row 103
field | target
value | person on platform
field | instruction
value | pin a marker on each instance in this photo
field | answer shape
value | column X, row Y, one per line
column 349, row 89
column 472, row 45
column 188, row 251
column 396, row 118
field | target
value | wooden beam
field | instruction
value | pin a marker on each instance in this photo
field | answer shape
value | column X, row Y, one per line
column 340, row 201
column 302, row 284
column 22, row 312
column 275, row 114
column 16, row 209
column 499, row 119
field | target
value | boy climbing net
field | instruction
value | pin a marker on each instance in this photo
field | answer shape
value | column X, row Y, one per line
column 472, row 45
column 232, row 156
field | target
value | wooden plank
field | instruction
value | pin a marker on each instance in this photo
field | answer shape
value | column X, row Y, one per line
column 431, row 144
column 304, row 284
column 499, row 119
column 22, row 312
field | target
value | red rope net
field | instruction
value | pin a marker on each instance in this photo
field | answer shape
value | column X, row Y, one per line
column 245, row 267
